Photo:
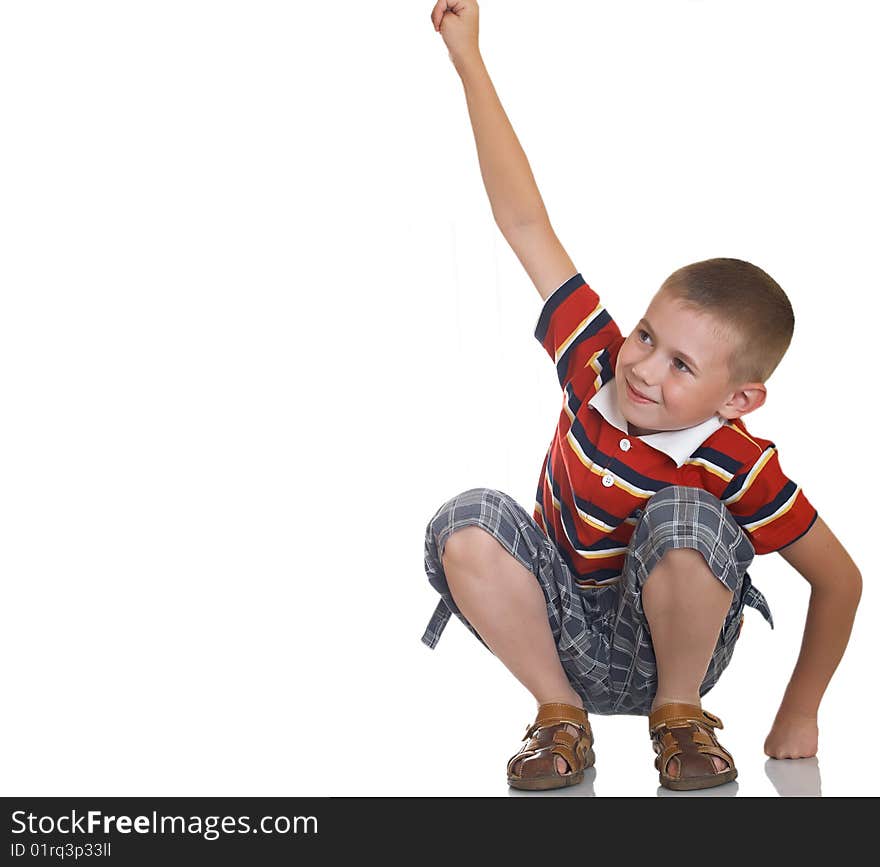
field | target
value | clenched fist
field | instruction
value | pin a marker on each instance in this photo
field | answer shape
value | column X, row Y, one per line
column 458, row 22
column 793, row 736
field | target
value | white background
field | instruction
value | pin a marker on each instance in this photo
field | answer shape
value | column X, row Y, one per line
column 258, row 324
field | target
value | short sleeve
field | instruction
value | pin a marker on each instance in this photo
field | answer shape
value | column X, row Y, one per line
column 770, row 507
column 575, row 329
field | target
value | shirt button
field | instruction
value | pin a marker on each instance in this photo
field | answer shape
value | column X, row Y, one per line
column 608, row 481
column 625, row 444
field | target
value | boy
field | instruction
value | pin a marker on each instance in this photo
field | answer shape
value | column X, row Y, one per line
column 624, row 592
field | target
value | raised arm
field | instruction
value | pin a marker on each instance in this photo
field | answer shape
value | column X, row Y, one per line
column 513, row 194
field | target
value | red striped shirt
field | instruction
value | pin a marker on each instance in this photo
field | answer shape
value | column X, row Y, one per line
column 596, row 477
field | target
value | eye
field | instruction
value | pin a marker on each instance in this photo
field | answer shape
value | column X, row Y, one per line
column 640, row 332
column 683, row 367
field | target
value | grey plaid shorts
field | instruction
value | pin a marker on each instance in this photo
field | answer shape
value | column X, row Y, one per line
column 602, row 634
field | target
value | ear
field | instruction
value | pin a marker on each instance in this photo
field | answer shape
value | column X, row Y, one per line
column 747, row 398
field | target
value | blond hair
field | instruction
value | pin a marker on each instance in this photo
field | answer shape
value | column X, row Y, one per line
column 749, row 307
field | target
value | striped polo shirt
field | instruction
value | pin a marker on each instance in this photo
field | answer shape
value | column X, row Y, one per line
column 596, row 477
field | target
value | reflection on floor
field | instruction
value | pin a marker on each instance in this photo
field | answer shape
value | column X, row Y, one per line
column 792, row 778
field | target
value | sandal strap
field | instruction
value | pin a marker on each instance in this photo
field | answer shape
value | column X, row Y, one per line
column 565, row 747
column 554, row 713
column 682, row 713
column 673, row 748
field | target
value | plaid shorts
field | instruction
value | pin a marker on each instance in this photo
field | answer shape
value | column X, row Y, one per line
column 601, row 633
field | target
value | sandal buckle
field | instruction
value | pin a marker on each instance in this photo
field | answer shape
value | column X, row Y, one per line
column 714, row 720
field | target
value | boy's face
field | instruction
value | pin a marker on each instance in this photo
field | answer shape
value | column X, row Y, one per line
column 677, row 357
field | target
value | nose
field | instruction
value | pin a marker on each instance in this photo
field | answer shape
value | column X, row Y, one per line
column 646, row 372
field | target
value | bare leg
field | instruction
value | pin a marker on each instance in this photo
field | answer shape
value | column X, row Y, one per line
column 685, row 605
column 502, row 600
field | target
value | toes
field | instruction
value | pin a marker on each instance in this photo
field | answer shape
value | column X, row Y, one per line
column 720, row 764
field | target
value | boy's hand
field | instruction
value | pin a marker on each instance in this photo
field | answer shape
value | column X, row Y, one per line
column 793, row 736
column 458, row 22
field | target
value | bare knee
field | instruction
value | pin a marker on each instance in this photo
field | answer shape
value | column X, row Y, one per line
column 676, row 567
column 470, row 548
column 676, row 572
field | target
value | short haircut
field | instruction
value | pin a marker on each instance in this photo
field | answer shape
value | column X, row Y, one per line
column 749, row 307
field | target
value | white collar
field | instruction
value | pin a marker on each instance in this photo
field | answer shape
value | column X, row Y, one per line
column 678, row 444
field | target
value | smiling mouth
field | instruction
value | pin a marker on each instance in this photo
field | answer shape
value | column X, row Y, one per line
column 638, row 396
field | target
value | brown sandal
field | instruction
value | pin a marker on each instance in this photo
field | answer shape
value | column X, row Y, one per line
column 685, row 731
column 549, row 738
